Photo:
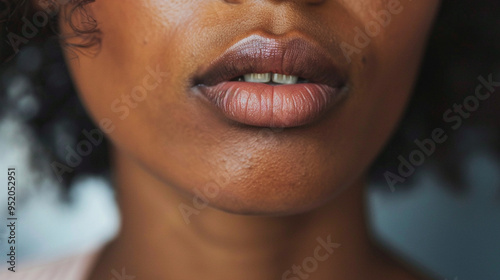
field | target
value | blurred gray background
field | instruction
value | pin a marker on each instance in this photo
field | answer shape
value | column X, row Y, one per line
column 445, row 219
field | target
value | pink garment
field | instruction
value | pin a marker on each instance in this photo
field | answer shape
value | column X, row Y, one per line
column 75, row 267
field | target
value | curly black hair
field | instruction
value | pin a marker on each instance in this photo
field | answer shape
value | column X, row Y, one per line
column 44, row 18
column 464, row 45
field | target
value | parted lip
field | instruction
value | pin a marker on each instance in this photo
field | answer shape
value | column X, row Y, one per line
column 257, row 54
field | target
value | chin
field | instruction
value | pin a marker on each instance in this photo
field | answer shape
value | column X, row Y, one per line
column 268, row 194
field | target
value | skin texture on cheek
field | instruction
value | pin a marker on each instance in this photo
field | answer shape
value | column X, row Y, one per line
column 183, row 143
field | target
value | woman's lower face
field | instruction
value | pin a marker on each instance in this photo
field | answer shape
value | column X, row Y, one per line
column 269, row 107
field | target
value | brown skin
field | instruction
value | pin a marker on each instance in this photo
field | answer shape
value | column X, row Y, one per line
column 172, row 143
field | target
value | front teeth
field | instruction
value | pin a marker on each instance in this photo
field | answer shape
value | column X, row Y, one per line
column 285, row 79
column 258, row 78
column 266, row 78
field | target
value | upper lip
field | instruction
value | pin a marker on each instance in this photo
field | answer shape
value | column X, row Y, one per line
column 295, row 56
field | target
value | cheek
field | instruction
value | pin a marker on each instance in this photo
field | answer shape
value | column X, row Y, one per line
column 138, row 65
column 391, row 40
column 138, row 82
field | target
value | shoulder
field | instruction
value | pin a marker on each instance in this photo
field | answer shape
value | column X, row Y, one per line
column 76, row 267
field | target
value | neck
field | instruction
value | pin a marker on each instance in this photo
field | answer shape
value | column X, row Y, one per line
column 155, row 242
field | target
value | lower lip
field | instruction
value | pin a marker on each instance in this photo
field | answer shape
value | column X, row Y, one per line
column 265, row 105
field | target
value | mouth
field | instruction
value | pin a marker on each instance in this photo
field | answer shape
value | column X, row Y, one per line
column 267, row 82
